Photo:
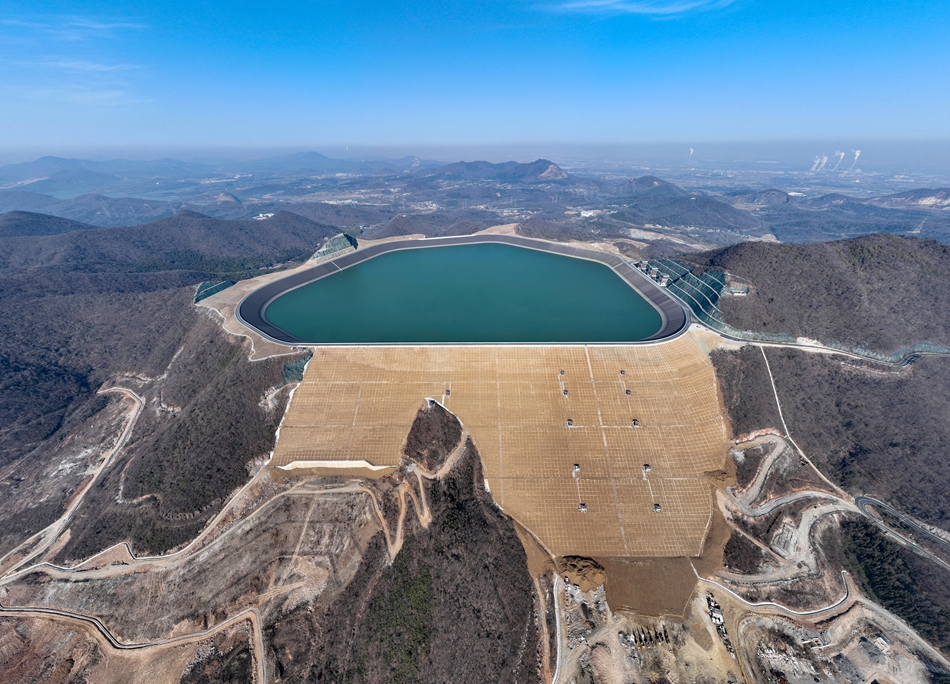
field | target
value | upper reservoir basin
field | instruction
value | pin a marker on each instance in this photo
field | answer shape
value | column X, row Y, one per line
column 465, row 293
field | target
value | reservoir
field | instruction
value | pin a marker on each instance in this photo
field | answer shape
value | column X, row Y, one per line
column 465, row 293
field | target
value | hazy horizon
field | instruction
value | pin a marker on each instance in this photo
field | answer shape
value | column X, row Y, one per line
column 931, row 155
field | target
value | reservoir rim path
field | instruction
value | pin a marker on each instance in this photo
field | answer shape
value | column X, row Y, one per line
column 251, row 311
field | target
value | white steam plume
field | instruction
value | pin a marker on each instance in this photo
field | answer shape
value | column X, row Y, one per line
column 857, row 153
column 840, row 156
column 824, row 160
column 690, row 155
column 814, row 167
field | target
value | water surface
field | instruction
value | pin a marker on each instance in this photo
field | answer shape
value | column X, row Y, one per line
column 467, row 293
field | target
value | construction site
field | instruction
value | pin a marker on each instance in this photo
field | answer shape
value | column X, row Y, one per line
column 597, row 450
column 540, row 512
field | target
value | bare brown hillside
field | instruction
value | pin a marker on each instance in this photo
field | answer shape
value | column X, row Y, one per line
column 873, row 430
column 883, row 292
column 91, row 307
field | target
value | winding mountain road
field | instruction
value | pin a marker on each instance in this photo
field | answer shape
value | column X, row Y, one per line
column 45, row 537
column 250, row 614
column 862, row 502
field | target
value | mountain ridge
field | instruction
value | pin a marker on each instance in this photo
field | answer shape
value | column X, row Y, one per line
column 186, row 233
column 538, row 171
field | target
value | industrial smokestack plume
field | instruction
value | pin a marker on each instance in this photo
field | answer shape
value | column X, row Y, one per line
column 840, row 156
column 690, row 155
column 857, row 153
column 824, row 160
column 814, row 167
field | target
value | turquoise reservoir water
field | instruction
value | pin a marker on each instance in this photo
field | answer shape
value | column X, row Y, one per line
column 467, row 293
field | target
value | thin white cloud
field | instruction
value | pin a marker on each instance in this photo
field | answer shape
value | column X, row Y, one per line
column 71, row 28
column 77, row 95
column 76, row 60
column 93, row 25
column 72, row 65
column 79, row 65
column 658, row 8
column 20, row 23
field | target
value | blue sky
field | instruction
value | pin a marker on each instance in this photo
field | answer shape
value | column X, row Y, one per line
column 299, row 74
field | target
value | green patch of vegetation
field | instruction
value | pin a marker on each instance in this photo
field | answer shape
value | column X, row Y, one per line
column 884, row 571
column 399, row 619
column 226, row 268
column 293, row 370
column 96, row 405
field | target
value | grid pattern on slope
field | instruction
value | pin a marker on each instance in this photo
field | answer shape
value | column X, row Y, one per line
column 358, row 403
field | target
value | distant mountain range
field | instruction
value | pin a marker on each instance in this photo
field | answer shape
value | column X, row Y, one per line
column 98, row 192
column 795, row 218
column 651, row 200
column 45, row 167
column 318, row 163
column 922, row 199
column 539, row 171
column 651, row 186
column 412, row 195
column 56, row 174
column 49, row 174
column 28, row 224
column 112, row 212
column 96, row 209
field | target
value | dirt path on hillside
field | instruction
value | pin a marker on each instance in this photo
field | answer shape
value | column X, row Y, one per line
column 395, row 538
column 107, row 640
column 119, row 560
column 44, row 539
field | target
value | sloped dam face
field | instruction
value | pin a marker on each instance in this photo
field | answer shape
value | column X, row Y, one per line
column 469, row 292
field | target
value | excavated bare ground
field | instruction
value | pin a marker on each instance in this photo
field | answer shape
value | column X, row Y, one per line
column 37, row 649
column 601, row 646
column 586, row 573
column 653, row 587
column 51, row 475
column 790, row 473
column 457, row 603
column 540, row 562
column 55, row 651
column 649, row 586
column 543, row 571
column 253, row 566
